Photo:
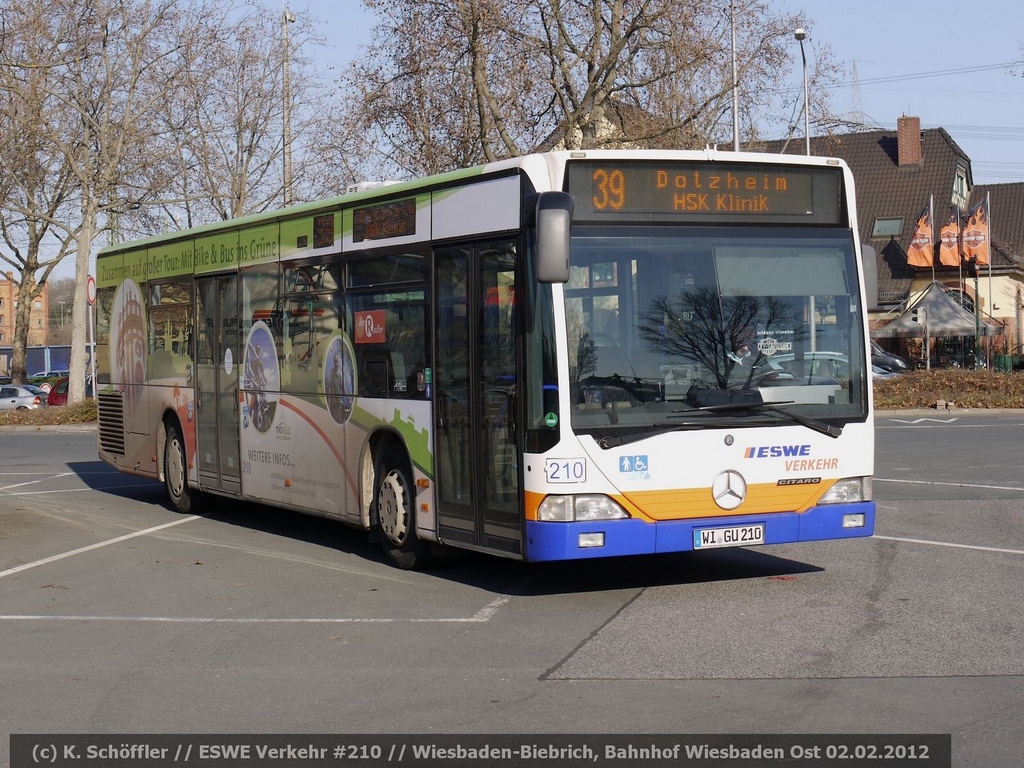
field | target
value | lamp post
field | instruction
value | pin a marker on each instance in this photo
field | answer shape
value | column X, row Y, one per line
column 735, row 84
column 972, row 270
column 801, row 35
column 287, row 17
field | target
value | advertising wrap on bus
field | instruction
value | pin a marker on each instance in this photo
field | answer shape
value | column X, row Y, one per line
column 559, row 356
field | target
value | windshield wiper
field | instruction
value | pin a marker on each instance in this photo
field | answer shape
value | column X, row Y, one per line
column 611, row 441
column 773, row 406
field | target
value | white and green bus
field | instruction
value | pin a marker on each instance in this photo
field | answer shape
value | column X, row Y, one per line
column 558, row 356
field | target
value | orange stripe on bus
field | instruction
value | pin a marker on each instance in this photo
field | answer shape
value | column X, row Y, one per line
column 686, row 504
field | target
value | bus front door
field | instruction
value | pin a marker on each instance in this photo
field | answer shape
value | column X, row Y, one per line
column 217, row 410
column 474, row 397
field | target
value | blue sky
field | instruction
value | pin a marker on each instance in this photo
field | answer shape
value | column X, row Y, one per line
column 938, row 60
column 942, row 61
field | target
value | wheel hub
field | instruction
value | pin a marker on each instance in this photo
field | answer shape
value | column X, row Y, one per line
column 175, row 470
column 391, row 508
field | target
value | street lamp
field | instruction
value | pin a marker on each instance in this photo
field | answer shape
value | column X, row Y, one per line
column 801, row 35
column 735, row 83
column 287, row 17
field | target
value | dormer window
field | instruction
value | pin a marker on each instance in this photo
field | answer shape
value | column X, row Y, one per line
column 887, row 228
column 960, row 188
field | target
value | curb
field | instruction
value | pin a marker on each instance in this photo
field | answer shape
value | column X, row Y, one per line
column 91, row 427
column 882, row 412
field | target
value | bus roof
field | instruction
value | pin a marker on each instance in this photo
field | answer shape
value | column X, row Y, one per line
column 549, row 164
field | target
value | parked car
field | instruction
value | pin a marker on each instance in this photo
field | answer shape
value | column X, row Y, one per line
column 22, row 398
column 813, row 368
column 822, row 367
column 45, row 379
column 878, row 372
column 49, row 374
column 887, row 360
column 59, row 391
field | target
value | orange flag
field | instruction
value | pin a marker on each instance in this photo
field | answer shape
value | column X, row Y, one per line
column 949, row 237
column 921, row 253
column 976, row 233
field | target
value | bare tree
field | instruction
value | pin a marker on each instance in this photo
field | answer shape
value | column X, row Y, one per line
column 224, row 119
column 35, row 183
column 103, row 69
column 456, row 82
column 117, row 66
column 704, row 327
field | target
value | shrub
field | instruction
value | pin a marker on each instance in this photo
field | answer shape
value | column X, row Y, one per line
column 82, row 412
column 965, row 389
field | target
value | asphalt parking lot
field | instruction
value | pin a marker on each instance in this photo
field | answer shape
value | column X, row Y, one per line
column 120, row 615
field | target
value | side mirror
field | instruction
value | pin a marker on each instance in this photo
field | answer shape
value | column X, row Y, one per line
column 554, row 227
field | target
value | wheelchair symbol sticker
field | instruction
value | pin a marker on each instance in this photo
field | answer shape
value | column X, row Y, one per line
column 636, row 466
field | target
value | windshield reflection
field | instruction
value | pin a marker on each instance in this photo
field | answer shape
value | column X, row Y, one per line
column 664, row 318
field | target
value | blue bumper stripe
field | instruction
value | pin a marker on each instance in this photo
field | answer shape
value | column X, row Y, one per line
column 559, row 541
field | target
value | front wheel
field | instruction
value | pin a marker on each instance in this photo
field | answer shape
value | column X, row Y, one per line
column 185, row 499
column 396, row 514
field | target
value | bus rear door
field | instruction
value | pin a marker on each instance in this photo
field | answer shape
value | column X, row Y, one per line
column 217, row 405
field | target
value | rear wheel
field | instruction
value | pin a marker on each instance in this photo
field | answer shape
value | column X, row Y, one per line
column 184, row 499
column 395, row 501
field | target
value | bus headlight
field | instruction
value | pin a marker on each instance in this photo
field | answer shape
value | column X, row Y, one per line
column 848, row 491
column 584, row 507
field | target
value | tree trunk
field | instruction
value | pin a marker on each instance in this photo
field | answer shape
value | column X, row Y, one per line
column 80, row 310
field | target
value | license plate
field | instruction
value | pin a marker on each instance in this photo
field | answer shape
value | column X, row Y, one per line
column 733, row 536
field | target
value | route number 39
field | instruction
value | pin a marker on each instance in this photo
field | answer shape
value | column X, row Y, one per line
column 610, row 189
column 566, row 470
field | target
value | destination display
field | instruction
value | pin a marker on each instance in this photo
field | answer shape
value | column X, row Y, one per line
column 396, row 218
column 704, row 192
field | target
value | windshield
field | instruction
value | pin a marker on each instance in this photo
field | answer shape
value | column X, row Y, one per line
column 667, row 324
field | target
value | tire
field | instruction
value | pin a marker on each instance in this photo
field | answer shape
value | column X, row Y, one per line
column 185, row 499
column 394, row 501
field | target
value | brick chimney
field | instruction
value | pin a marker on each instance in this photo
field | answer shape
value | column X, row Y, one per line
column 908, row 141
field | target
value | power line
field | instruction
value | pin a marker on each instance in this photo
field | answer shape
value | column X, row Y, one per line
column 936, row 73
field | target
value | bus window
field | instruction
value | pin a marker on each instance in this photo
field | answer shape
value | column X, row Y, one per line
column 386, row 298
column 169, row 330
column 304, row 318
column 389, row 338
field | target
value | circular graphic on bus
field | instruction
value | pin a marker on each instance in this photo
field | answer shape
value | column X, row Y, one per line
column 340, row 377
column 128, row 344
column 261, row 378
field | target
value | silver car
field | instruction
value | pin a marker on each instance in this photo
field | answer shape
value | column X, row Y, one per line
column 22, row 398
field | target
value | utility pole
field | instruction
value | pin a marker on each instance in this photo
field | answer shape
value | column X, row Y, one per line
column 287, row 17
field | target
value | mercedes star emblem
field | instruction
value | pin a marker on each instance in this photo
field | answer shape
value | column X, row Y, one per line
column 729, row 489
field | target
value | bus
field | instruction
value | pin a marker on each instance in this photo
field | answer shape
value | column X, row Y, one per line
column 560, row 356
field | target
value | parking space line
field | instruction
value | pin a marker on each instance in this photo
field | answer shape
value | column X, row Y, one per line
column 950, row 544
column 954, row 485
column 98, row 545
column 33, row 482
column 78, row 490
column 482, row 616
column 30, row 474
